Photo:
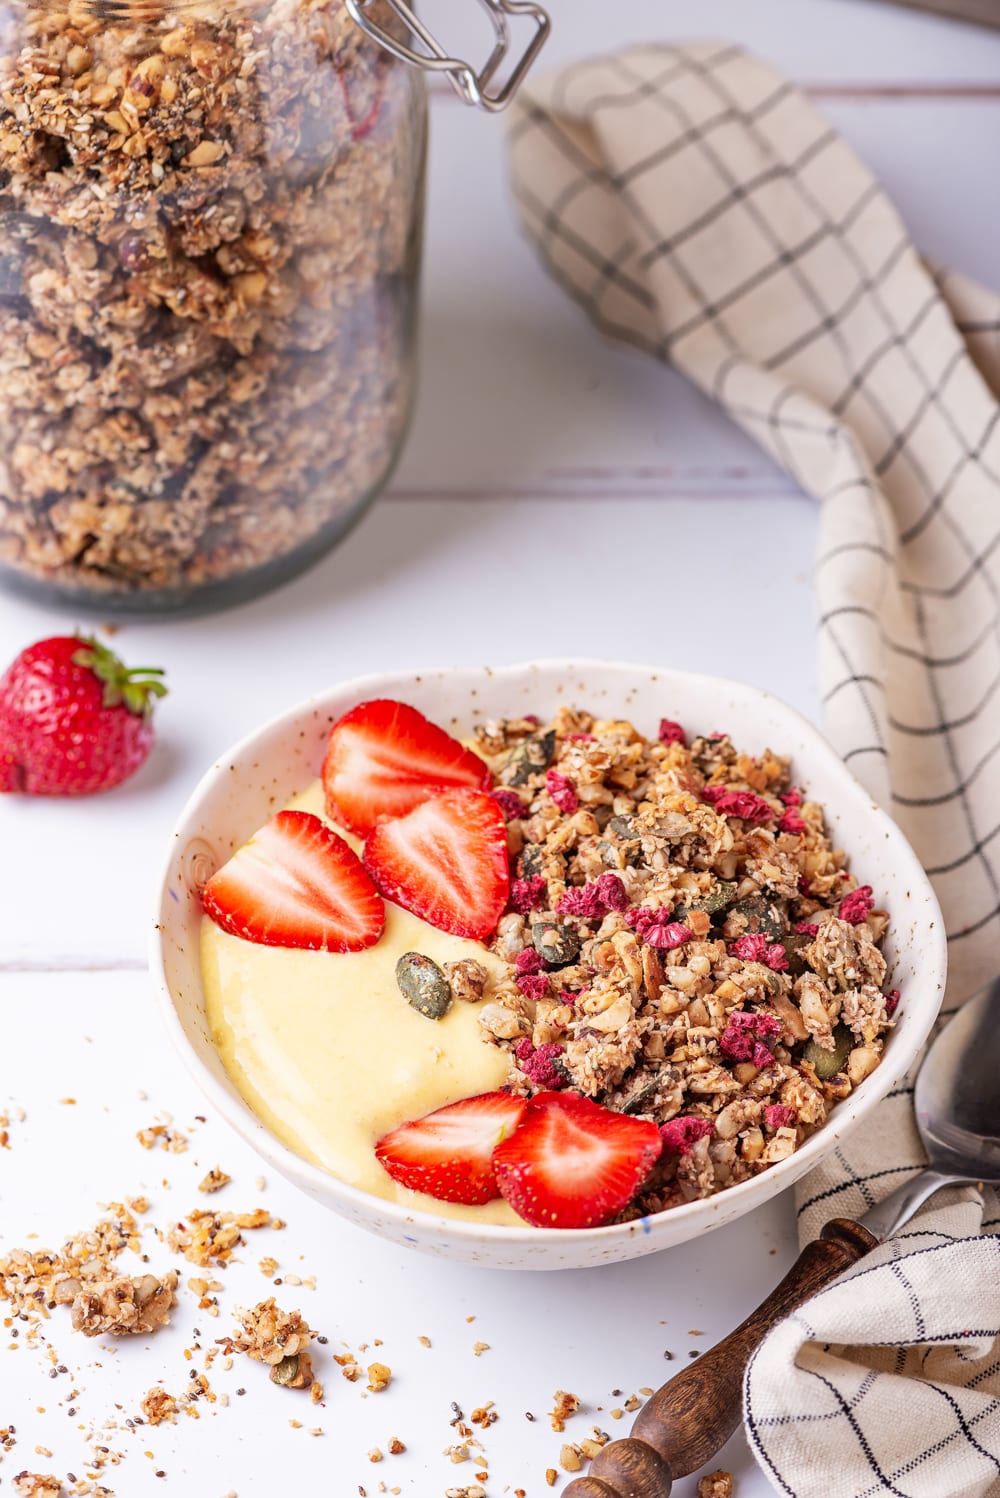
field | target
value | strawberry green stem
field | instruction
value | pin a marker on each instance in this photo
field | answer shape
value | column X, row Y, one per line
column 137, row 689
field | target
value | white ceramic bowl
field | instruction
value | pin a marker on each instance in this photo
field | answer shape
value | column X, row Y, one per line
column 259, row 775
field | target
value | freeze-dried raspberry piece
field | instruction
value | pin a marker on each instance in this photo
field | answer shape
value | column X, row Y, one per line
column 679, row 1134
column 528, row 961
column 892, row 1001
column 791, row 822
column 593, row 901
column 854, row 907
column 562, row 791
column 755, row 947
column 586, row 737
column 778, row 1116
column 527, row 894
column 745, row 1035
column 533, row 985
column 509, row 803
column 804, row 888
column 806, row 928
column 656, row 928
column 791, row 797
column 746, row 804
column 539, row 1065
column 671, row 733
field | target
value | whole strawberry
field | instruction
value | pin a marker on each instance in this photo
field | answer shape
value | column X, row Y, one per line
column 73, row 719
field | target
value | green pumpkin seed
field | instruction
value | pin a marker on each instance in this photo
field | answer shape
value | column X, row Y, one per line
column 827, row 1063
column 286, row 1370
column 423, row 985
column 557, row 946
column 639, row 1100
column 529, row 861
column 529, row 757
column 794, row 946
column 716, row 900
column 622, row 826
column 760, row 915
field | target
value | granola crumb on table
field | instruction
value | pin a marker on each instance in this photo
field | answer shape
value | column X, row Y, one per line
column 716, row 1485
column 683, row 943
column 119, row 1306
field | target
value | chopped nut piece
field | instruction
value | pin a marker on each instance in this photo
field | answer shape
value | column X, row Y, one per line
column 158, row 1406
column 716, row 1485
column 396, row 1446
column 571, row 1458
column 214, row 1181
column 565, row 1406
column 379, row 1376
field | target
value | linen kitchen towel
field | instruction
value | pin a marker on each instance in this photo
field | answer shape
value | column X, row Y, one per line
column 697, row 206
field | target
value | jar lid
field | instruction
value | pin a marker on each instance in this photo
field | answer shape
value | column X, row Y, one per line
column 471, row 85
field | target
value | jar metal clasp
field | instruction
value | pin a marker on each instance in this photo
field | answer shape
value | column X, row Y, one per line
column 471, row 85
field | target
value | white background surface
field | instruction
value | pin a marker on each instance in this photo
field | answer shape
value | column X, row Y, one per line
column 675, row 542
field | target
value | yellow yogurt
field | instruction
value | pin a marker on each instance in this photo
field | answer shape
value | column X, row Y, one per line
column 330, row 1056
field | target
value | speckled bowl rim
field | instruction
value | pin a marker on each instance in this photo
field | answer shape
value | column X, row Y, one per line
column 907, row 1041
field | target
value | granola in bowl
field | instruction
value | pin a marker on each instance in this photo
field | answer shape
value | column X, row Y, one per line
column 276, row 766
column 683, row 944
column 565, row 973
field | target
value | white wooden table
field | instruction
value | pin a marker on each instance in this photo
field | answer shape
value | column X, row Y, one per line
column 531, row 435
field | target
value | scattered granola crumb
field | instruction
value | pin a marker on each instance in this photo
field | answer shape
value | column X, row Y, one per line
column 37, row 1485
column 480, row 1347
column 158, row 1406
column 571, row 1458
column 379, row 1376
column 163, row 1136
column 565, row 1406
column 375, row 1455
column 208, row 1237
column 396, row 1446
column 268, row 1266
column 550, row 1476
column 424, row 1341
column 119, row 1305
column 269, row 1334
column 214, row 1181
column 349, row 1366
column 716, row 1485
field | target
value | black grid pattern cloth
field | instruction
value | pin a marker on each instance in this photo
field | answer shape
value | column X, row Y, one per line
column 697, row 206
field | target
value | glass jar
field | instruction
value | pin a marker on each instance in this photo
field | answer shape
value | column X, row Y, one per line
column 210, row 222
column 210, row 228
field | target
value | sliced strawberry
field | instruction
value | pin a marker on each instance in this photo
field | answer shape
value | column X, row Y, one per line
column 572, row 1163
column 446, row 861
column 296, row 884
column 447, row 1153
column 384, row 758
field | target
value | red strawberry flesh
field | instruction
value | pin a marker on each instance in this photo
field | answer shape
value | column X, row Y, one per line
column 296, row 883
column 385, row 757
column 572, row 1163
column 448, row 1153
column 446, row 862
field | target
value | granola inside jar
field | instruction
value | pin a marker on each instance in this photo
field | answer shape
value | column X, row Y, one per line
column 210, row 222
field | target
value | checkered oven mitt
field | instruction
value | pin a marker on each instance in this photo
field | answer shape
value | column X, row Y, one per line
column 697, row 206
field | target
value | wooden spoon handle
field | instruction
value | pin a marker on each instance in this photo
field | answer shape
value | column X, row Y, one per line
column 687, row 1421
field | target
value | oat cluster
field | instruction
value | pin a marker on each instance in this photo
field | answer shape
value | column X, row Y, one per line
column 207, row 253
column 683, row 943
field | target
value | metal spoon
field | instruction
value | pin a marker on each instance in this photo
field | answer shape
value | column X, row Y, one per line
column 958, row 1116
